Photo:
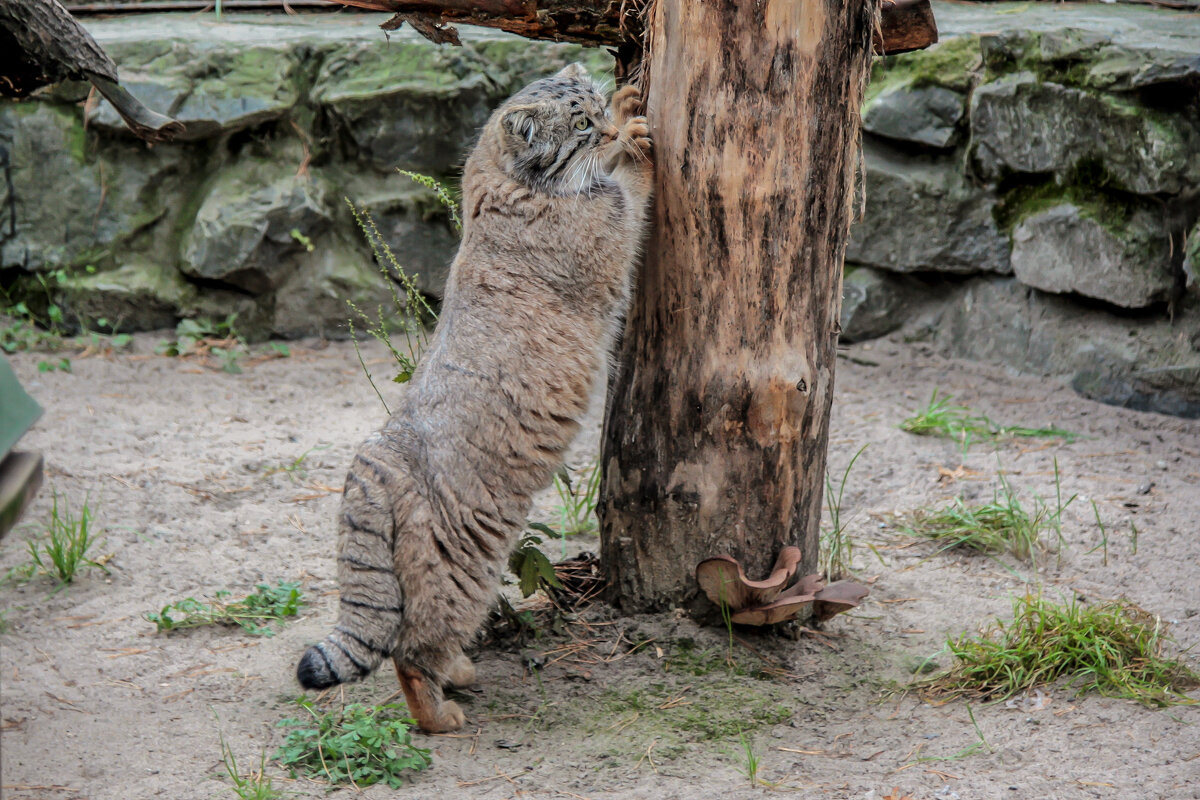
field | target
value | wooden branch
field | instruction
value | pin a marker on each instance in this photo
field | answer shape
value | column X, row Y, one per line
column 905, row 24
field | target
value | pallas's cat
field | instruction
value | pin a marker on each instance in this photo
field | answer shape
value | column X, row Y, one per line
column 554, row 206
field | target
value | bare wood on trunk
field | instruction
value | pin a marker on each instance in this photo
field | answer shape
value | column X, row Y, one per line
column 716, row 431
column 905, row 25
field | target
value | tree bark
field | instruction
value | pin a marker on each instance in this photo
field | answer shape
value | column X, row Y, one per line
column 717, row 426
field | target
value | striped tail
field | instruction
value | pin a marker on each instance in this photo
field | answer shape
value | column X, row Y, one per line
column 371, row 603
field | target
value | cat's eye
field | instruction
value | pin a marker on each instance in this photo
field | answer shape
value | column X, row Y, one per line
column 582, row 124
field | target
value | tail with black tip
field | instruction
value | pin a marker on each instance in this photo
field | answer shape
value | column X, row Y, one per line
column 371, row 605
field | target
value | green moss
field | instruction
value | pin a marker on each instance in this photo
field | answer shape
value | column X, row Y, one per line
column 1084, row 187
column 949, row 64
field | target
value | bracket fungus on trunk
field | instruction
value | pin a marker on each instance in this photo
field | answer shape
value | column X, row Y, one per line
column 767, row 602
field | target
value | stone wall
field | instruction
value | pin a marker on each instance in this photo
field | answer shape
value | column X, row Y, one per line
column 1031, row 182
column 286, row 119
column 1032, row 194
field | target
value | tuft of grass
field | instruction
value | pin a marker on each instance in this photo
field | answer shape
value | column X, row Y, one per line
column 1113, row 648
column 295, row 468
column 253, row 786
column 1004, row 525
column 65, row 548
column 940, row 417
column 750, row 760
column 253, row 613
column 837, row 548
column 577, row 500
column 360, row 745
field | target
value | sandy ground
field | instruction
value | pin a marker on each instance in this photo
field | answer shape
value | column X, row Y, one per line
column 179, row 462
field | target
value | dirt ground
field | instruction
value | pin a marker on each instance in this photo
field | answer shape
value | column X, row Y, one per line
column 184, row 466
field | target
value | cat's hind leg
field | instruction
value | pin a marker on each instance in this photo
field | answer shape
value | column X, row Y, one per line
column 460, row 673
column 428, row 706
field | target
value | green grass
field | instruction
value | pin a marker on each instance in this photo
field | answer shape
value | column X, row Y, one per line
column 65, row 548
column 577, row 500
column 750, row 760
column 360, row 745
column 253, row 786
column 1113, row 648
column 837, row 548
column 941, row 417
column 254, row 613
column 1004, row 525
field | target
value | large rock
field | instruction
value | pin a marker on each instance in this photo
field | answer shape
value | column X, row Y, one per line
column 875, row 303
column 1147, row 362
column 1021, row 124
column 256, row 219
column 139, row 295
column 210, row 87
column 316, row 298
column 1067, row 248
column 923, row 215
column 420, row 107
column 927, row 115
column 66, row 204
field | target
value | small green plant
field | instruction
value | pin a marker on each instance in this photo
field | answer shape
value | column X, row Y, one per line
column 531, row 566
column 577, row 500
column 1114, row 648
column 202, row 338
column 1004, row 525
column 65, row 548
column 409, row 306
column 253, row 613
column 303, row 240
column 750, row 760
column 942, row 418
column 360, row 745
column 254, row 786
column 61, row 365
column 837, row 548
column 295, row 469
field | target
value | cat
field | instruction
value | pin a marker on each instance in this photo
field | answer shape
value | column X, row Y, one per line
column 554, row 204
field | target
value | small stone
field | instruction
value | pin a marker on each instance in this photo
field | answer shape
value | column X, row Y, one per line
column 1145, row 487
column 1161, row 464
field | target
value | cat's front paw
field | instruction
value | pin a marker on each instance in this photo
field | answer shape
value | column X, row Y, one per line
column 636, row 132
column 626, row 104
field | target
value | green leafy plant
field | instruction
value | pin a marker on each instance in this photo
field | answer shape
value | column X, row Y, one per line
column 940, row 417
column 65, row 548
column 577, row 500
column 61, row 365
column 203, row 338
column 531, row 566
column 253, row 613
column 360, row 745
column 837, row 548
column 253, row 786
column 1114, row 648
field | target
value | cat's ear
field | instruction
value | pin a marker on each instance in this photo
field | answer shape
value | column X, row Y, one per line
column 521, row 122
column 576, row 71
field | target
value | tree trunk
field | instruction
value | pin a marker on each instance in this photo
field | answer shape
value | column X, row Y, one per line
column 717, row 427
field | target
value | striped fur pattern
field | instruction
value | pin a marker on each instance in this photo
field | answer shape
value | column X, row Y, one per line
column 554, row 199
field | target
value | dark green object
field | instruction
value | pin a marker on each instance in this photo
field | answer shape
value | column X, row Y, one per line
column 18, row 411
column 20, row 473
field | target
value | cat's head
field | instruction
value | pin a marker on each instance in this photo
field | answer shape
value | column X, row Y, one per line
column 549, row 134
